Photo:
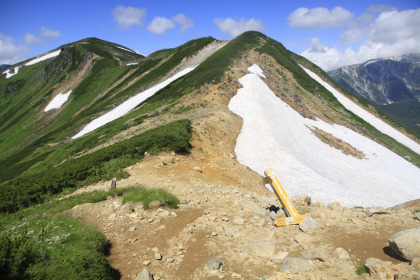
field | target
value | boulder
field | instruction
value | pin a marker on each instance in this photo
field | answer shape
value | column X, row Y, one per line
column 377, row 269
column 302, row 200
column 213, row 265
column 341, row 254
column 375, row 211
column 415, row 263
column 264, row 249
column 406, row 243
column 296, row 265
column 316, row 254
column 308, row 225
column 144, row 275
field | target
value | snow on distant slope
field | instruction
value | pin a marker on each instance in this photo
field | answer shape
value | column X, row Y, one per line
column 276, row 136
column 57, row 101
column 368, row 117
column 130, row 104
column 8, row 74
column 125, row 49
column 44, row 57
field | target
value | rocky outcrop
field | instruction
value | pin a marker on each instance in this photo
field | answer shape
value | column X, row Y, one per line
column 406, row 243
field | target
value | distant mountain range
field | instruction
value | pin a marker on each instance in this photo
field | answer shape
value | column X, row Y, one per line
column 392, row 83
column 4, row 66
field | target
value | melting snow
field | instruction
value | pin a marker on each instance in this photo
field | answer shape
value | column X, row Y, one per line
column 132, row 64
column 130, row 104
column 368, row 117
column 124, row 49
column 57, row 101
column 8, row 74
column 42, row 58
column 275, row 136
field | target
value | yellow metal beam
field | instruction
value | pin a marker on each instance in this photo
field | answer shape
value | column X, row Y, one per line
column 293, row 218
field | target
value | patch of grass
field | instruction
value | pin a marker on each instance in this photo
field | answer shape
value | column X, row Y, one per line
column 148, row 195
column 361, row 269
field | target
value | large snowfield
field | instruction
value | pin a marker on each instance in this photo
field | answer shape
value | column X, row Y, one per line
column 276, row 136
column 130, row 104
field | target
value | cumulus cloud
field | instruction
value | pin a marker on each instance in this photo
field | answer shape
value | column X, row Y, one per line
column 44, row 36
column 128, row 16
column 10, row 52
column 390, row 33
column 319, row 18
column 234, row 28
column 159, row 25
column 184, row 21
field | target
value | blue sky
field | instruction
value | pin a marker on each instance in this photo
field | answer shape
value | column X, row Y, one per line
column 330, row 33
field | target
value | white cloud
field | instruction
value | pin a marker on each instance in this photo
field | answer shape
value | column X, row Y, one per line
column 159, row 25
column 127, row 16
column 10, row 53
column 184, row 21
column 319, row 18
column 390, row 33
column 45, row 35
column 234, row 28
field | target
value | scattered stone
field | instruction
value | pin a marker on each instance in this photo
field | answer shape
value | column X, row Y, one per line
column 415, row 263
column 308, row 225
column 238, row 221
column 162, row 213
column 303, row 240
column 214, row 234
column 113, row 184
column 236, row 276
column 375, row 211
column 146, row 263
column 376, row 269
column 173, row 214
column 406, row 243
column 301, row 200
column 144, row 275
column 158, row 256
column 166, row 160
column 155, row 249
column 335, row 206
column 264, row 249
column 229, row 232
column 341, row 254
column 170, row 260
column 156, row 204
column 126, row 209
column 133, row 228
column 296, row 265
column 417, row 216
column 213, row 265
column 273, row 215
column 279, row 257
column 197, row 168
column 316, row 254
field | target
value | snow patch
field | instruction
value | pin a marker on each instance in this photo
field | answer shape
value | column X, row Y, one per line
column 256, row 70
column 125, row 49
column 44, row 57
column 8, row 74
column 275, row 136
column 130, row 104
column 132, row 64
column 57, row 101
column 368, row 117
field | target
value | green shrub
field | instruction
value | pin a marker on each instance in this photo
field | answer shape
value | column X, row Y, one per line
column 148, row 195
column 361, row 269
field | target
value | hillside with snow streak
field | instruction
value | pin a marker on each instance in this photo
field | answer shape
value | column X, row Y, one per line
column 275, row 136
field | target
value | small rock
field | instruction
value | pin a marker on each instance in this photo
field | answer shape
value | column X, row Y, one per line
column 214, row 234
column 273, row 215
column 303, row 239
column 316, row 254
column 301, row 200
column 406, row 243
column 264, row 249
column 170, row 260
column 376, row 268
column 125, row 209
column 213, row 265
column 133, row 228
column 144, row 275
column 335, row 206
column 238, row 221
column 279, row 257
column 375, row 211
column 155, row 249
column 417, row 216
column 229, row 232
column 161, row 213
column 308, row 225
column 146, row 263
column 197, row 168
column 113, row 184
column 341, row 254
column 158, row 256
column 236, row 276
column 296, row 265
column 167, row 160
column 156, row 204
column 415, row 263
